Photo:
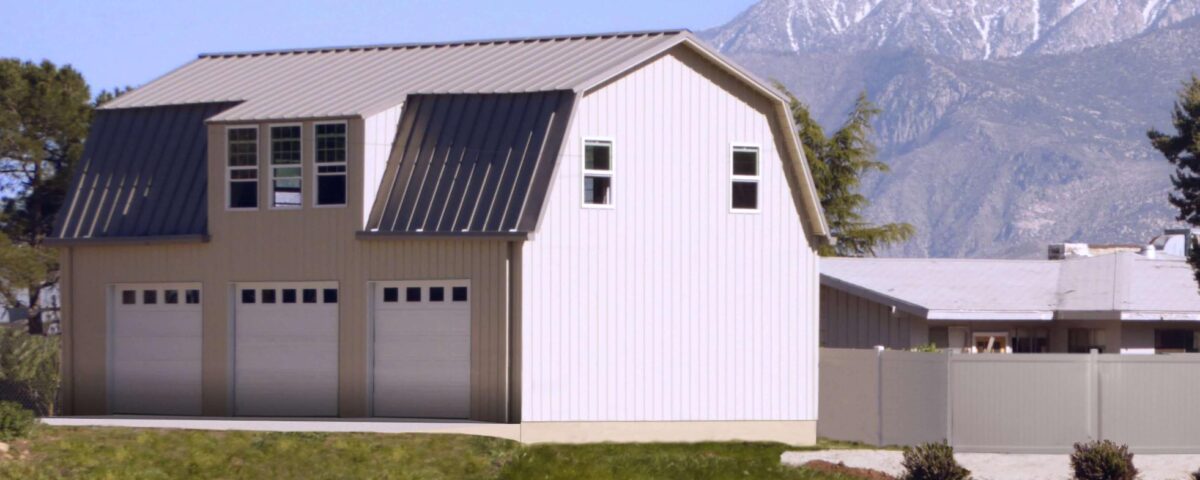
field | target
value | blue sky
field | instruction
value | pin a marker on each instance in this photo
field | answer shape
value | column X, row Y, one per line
column 130, row 42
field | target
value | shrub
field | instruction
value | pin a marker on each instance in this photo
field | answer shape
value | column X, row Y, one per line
column 31, row 363
column 15, row 421
column 1102, row 460
column 933, row 461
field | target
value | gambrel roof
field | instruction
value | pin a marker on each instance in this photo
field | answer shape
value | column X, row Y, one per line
column 360, row 81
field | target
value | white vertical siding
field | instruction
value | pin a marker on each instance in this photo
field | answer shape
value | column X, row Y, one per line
column 669, row 307
column 379, row 132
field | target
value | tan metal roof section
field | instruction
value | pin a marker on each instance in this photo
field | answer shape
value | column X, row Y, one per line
column 361, row 81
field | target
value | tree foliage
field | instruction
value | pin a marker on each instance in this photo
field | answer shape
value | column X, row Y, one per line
column 1182, row 149
column 32, row 363
column 838, row 163
column 44, row 117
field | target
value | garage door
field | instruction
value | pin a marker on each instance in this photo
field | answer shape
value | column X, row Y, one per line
column 155, row 334
column 285, row 349
column 422, row 349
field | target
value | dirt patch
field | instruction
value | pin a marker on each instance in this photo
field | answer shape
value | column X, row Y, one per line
column 841, row 469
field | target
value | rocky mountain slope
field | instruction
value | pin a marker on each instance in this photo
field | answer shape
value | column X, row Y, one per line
column 1005, row 129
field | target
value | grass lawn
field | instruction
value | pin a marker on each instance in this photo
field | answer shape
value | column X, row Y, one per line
column 121, row 453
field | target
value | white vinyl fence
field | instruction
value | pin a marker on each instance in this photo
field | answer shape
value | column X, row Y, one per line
column 1034, row 403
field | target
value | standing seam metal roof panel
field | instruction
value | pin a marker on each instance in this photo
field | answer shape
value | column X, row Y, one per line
column 472, row 163
column 142, row 174
column 363, row 80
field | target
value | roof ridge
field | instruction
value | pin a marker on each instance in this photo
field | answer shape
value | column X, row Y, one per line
column 452, row 43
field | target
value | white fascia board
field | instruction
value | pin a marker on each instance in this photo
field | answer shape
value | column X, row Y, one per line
column 981, row 315
column 1151, row 316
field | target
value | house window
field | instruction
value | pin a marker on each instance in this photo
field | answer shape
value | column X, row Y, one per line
column 289, row 295
column 128, row 297
column 391, row 295
column 437, row 294
column 286, row 168
column 149, row 297
column 192, row 297
column 1031, row 340
column 330, row 295
column 459, row 294
column 268, row 296
column 1083, row 340
column 242, row 167
column 331, row 164
column 744, row 179
column 248, row 295
column 412, row 294
column 1174, row 341
column 171, row 297
column 597, row 173
column 310, row 295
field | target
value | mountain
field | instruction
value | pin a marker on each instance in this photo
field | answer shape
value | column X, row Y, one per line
column 1008, row 125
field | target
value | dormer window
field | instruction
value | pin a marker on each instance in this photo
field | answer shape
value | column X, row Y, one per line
column 331, row 164
column 242, row 167
column 286, row 167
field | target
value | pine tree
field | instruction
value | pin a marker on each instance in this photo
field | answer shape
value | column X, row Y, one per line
column 44, row 118
column 838, row 164
column 1183, row 151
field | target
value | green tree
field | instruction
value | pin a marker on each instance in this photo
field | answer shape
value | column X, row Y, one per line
column 44, row 117
column 32, row 364
column 1182, row 149
column 838, row 163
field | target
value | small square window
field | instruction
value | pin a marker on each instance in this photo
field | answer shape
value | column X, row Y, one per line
column 745, row 195
column 412, row 294
column 192, row 297
column 596, row 190
column 391, row 295
column 171, row 297
column 248, row 295
column 459, row 294
column 268, row 296
column 310, row 295
column 745, row 162
column 243, row 194
column 289, row 295
column 330, row 295
column 128, row 297
column 597, row 155
column 437, row 294
column 149, row 297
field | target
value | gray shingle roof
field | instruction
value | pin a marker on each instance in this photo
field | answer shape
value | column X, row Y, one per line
column 1122, row 285
column 471, row 163
column 142, row 174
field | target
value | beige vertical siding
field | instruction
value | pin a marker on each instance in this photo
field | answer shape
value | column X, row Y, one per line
column 311, row 244
column 850, row 321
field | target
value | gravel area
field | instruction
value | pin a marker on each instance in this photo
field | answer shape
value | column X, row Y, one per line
column 995, row 466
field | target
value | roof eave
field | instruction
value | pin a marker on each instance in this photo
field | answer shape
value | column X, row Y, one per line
column 507, row 236
column 147, row 240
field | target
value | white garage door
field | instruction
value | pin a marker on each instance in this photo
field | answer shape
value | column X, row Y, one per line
column 422, row 349
column 285, row 349
column 155, row 342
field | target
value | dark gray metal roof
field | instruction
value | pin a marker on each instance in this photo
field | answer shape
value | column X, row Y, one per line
column 468, row 164
column 143, row 174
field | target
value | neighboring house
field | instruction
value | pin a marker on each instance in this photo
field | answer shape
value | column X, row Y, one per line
column 1120, row 302
column 601, row 237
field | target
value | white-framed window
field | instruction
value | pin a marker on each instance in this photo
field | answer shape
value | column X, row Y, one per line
column 745, row 174
column 598, row 173
column 330, row 162
column 287, row 166
column 241, row 168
